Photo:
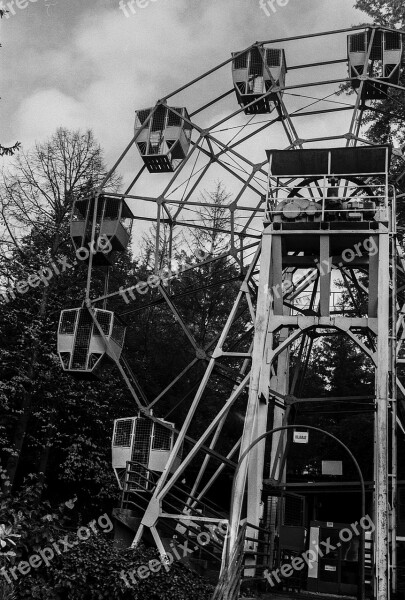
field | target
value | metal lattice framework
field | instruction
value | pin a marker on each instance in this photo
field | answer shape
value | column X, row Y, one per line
column 235, row 145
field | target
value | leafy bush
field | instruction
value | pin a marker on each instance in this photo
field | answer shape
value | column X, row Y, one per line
column 91, row 571
column 26, row 523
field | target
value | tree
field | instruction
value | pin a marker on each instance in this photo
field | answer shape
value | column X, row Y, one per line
column 36, row 199
column 390, row 13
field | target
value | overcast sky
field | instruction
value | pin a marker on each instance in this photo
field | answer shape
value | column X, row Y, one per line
column 88, row 64
column 84, row 64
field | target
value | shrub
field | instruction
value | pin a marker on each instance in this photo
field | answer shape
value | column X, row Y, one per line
column 91, row 571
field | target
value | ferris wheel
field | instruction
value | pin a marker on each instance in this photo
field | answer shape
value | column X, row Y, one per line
column 227, row 124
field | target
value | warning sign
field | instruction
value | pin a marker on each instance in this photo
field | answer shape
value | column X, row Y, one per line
column 301, row 437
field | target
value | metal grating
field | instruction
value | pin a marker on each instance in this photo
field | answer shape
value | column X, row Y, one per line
column 112, row 208
column 142, row 438
column 241, row 61
column 141, row 450
column 273, row 57
column 377, row 48
column 293, row 513
column 392, row 40
column 82, row 340
column 123, row 433
column 104, row 319
column 67, row 322
column 256, row 62
column 141, row 116
column 159, row 119
column 358, row 42
column 162, row 438
column 174, row 120
column 79, row 360
column 118, row 332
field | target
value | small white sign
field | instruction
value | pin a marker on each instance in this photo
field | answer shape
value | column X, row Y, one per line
column 301, row 437
column 332, row 467
column 330, row 568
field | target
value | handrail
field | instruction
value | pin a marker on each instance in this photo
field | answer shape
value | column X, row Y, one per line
column 206, row 504
column 281, row 193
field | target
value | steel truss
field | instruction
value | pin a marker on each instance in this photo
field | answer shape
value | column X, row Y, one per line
column 262, row 376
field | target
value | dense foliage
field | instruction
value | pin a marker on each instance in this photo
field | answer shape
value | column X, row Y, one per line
column 87, row 569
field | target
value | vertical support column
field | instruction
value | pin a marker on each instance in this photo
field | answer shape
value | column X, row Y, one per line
column 394, row 407
column 264, row 302
column 255, row 474
column 257, row 457
column 277, row 275
column 324, row 279
column 280, row 417
column 381, row 430
column 373, row 288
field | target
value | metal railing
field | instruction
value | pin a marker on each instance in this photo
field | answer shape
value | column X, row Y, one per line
column 313, row 203
column 175, row 503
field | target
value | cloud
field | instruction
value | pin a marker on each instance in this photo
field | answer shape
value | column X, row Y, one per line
column 88, row 66
column 44, row 111
column 107, row 65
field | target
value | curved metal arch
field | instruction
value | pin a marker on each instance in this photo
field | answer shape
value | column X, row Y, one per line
column 234, row 519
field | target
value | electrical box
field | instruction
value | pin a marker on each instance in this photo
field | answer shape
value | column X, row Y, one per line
column 337, row 571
